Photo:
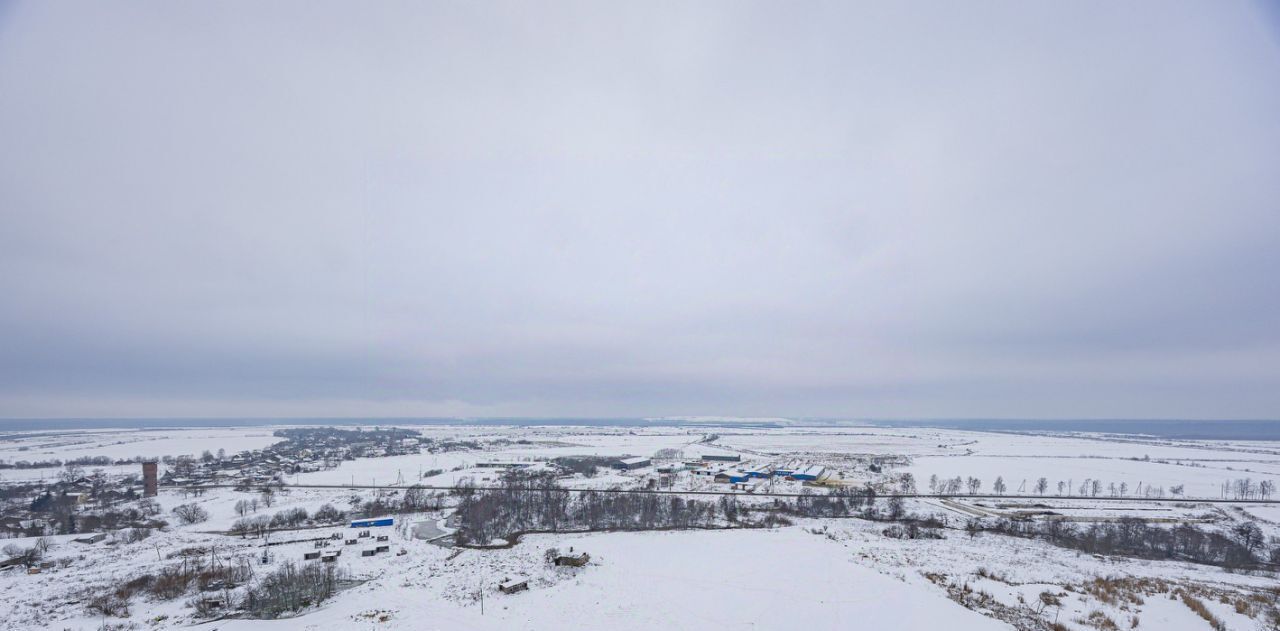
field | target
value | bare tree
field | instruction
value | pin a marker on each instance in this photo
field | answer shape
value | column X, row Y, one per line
column 999, row 487
column 1249, row 535
column 1042, row 486
column 907, row 483
column 190, row 513
column 72, row 473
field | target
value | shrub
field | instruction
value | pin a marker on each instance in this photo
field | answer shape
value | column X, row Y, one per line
column 190, row 513
column 1196, row 605
column 291, row 588
column 109, row 604
column 328, row 514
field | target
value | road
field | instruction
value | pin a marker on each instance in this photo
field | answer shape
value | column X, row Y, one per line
column 817, row 491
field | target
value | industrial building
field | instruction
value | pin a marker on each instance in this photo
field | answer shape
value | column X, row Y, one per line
column 627, row 464
column 723, row 457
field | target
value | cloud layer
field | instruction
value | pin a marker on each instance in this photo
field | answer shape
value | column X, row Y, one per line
column 890, row 210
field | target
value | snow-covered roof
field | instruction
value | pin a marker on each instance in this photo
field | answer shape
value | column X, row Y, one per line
column 636, row 460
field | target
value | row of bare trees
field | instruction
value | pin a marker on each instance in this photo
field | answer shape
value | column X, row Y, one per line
column 1240, row 547
column 1247, row 489
column 1089, row 487
column 527, row 503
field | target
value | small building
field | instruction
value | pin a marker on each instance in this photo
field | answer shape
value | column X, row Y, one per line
column 383, row 538
column 513, row 586
column 626, row 464
column 723, row 457
column 760, row 472
column 705, row 472
column 670, row 467
column 350, row 542
column 329, row 557
column 93, row 538
column 368, row 552
column 573, row 561
column 731, row 477
column 374, row 523
column 310, row 556
column 381, row 549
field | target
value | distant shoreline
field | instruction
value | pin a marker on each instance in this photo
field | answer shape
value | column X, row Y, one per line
column 1268, row 430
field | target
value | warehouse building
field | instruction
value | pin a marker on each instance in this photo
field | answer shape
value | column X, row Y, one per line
column 723, row 457
column 811, row 472
column 627, row 464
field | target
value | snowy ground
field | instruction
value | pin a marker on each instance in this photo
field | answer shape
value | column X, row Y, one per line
column 821, row 574
column 67, row 445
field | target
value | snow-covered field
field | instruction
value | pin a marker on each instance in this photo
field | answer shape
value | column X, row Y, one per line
column 816, row 574
column 67, row 445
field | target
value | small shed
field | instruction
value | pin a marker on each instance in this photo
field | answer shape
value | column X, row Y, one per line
column 513, row 586
column 93, row 538
column 386, row 548
column 368, row 552
column 310, row 556
column 573, row 561
column 330, row 557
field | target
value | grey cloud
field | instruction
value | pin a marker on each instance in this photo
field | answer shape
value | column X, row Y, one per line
column 608, row 209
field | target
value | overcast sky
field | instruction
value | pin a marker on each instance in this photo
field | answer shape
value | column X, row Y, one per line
column 882, row 209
